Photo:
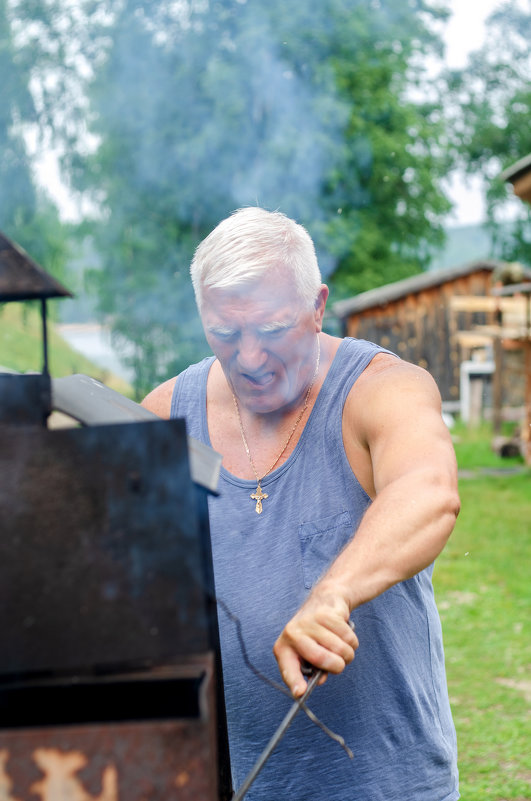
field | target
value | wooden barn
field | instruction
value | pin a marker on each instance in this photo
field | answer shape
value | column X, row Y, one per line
column 418, row 319
column 519, row 175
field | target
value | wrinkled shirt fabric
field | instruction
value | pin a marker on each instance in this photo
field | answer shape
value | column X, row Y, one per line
column 391, row 703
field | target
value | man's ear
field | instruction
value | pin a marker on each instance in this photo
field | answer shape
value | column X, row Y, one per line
column 320, row 305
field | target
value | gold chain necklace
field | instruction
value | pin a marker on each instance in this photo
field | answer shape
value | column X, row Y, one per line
column 258, row 495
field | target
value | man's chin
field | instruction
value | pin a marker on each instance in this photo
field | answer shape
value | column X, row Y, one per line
column 260, row 401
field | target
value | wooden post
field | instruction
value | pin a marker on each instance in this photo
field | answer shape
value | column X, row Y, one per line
column 526, row 425
column 497, row 394
column 476, row 401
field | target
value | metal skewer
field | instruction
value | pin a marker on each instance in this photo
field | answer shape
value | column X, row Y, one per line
column 277, row 736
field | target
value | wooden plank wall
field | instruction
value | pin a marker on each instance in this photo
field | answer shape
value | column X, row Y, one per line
column 420, row 327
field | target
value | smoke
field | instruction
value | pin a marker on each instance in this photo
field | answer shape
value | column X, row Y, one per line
column 197, row 107
column 216, row 110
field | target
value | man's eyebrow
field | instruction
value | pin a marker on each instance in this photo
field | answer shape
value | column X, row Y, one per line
column 220, row 329
column 264, row 328
column 275, row 325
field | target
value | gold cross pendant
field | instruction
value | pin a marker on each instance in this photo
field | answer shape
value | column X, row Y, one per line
column 259, row 496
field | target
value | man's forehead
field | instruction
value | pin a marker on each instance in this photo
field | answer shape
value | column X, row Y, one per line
column 257, row 298
column 262, row 319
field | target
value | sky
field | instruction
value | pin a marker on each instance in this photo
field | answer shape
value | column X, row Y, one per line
column 463, row 33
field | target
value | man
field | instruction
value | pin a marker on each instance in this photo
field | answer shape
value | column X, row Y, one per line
column 337, row 492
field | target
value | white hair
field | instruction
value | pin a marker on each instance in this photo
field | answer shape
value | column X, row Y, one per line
column 251, row 242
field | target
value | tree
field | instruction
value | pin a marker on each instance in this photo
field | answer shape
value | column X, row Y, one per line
column 17, row 197
column 26, row 215
column 198, row 108
column 490, row 102
column 386, row 188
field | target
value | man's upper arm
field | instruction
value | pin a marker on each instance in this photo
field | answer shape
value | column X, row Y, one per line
column 395, row 413
column 159, row 400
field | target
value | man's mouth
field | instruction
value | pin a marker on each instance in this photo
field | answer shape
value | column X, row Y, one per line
column 258, row 379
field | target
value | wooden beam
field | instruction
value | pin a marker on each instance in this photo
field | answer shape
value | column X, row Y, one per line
column 489, row 303
column 472, row 339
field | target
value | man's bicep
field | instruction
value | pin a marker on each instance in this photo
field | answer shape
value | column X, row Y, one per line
column 404, row 427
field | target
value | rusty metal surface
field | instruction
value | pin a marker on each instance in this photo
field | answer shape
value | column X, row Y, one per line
column 119, row 762
column 101, row 556
column 21, row 278
column 115, row 759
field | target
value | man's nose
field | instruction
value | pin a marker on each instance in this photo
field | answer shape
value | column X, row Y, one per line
column 251, row 353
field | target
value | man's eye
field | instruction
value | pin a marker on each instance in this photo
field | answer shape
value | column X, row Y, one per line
column 274, row 333
column 225, row 335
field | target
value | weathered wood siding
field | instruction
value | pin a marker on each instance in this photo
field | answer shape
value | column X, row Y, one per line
column 420, row 327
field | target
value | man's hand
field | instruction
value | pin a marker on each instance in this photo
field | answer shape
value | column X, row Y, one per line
column 318, row 634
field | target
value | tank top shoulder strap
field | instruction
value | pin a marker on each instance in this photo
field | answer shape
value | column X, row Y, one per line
column 189, row 397
column 351, row 359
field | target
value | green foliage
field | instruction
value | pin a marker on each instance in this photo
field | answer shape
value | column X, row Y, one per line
column 25, row 215
column 17, row 196
column 198, row 109
column 490, row 102
column 169, row 116
column 384, row 201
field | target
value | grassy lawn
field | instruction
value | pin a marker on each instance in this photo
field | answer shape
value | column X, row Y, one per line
column 483, row 588
column 21, row 348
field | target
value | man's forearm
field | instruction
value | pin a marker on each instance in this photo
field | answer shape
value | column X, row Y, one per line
column 402, row 532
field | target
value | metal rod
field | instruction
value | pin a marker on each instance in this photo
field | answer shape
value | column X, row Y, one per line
column 277, row 736
column 44, row 337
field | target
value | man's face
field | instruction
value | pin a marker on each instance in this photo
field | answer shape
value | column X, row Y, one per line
column 265, row 340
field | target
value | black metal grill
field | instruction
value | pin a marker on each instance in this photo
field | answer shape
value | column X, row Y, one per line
column 110, row 673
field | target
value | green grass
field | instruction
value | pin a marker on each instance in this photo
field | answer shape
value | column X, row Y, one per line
column 482, row 584
column 473, row 447
column 21, row 348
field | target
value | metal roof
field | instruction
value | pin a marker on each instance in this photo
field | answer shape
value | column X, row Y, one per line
column 21, row 278
column 408, row 286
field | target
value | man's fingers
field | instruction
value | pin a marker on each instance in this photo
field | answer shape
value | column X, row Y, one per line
column 290, row 669
column 319, row 634
column 313, row 653
column 315, row 643
column 329, row 652
column 350, row 636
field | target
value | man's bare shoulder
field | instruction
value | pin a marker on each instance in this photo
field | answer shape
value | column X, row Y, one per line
column 390, row 392
column 159, row 400
column 387, row 372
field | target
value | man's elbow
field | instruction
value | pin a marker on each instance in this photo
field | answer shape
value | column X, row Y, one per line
column 442, row 491
column 450, row 506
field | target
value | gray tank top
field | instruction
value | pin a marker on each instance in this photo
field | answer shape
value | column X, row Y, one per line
column 391, row 704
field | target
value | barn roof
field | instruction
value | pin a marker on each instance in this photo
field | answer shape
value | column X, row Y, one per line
column 409, row 286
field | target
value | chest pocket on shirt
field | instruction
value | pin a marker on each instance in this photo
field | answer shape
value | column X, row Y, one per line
column 321, row 541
